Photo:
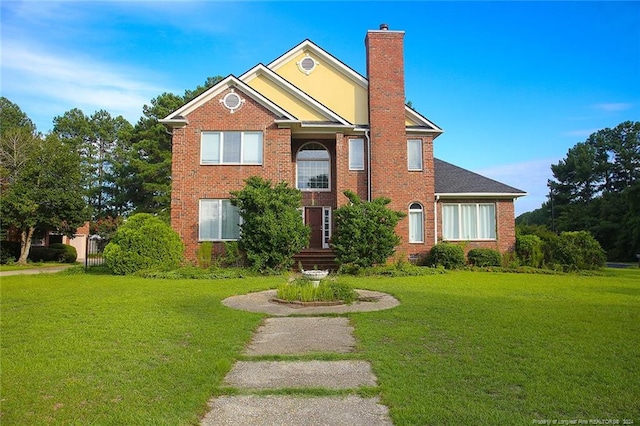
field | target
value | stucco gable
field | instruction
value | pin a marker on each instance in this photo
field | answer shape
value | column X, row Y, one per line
column 304, row 107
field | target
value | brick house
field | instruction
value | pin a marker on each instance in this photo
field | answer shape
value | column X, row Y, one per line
column 310, row 120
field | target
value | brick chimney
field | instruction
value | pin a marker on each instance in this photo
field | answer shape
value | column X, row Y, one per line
column 385, row 72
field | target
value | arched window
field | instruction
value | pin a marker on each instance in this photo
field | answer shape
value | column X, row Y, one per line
column 416, row 223
column 314, row 168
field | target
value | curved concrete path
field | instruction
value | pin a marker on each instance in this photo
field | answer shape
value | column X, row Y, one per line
column 262, row 302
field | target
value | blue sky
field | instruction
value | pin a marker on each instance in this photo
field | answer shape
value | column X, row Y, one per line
column 513, row 84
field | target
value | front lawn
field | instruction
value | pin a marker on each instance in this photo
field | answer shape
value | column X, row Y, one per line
column 462, row 348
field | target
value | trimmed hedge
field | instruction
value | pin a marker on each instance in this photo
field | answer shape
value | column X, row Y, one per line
column 54, row 253
column 449, row 256
column 484, row 257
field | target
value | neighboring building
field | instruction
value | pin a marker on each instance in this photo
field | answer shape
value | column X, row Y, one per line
column 310, row 120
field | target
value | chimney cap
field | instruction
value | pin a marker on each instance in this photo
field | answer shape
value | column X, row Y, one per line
column 384, row 27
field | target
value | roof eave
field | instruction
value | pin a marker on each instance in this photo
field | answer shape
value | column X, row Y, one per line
column 480, row 194
column 174, row 123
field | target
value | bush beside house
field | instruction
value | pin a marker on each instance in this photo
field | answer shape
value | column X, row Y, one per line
column 271, row 230
column 143, row 242
column 365, row 231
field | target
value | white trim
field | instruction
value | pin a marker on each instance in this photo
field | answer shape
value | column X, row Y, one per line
column 309, row 46
column 349, row 154
column 326, row 227
column 242, row 146
column 421, row 168
column 480, row 194
column 261, row 70
column 303, row 69
column 329, row 176
column 220, row 225
column 421, row 211
column 228, row 83
column 421, row 119
column 478, row 221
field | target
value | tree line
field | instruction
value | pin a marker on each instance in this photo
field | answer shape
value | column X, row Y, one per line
column 88, row 167
column 596, row 188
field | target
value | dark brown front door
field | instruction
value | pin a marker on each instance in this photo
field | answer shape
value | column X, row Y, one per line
column 313, row 218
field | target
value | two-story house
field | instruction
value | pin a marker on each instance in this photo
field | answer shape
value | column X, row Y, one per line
column 310, row 120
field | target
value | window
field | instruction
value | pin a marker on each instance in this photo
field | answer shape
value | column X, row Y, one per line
column 219, row 220
column 356, row 154
column 414, row 154
column 313, row 167
column 469, row 221
column 231, row 148
column 416, row 223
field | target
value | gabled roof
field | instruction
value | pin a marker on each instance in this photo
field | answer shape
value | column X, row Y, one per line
column 454, row 181
column 262, row 71
column 177, row 118
column 334, row 96
column 310, row 46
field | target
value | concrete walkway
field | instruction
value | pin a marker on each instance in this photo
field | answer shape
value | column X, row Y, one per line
column 253, row 379
column 35, row 271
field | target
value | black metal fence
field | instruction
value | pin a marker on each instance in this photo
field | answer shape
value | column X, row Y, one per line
column 95, row 248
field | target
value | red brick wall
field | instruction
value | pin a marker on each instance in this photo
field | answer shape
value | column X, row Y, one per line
column 192, row 181
column 390, row 176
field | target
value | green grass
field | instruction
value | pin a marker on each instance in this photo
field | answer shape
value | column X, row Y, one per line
column 488, row 348
column 462, row 348
column 91, row 349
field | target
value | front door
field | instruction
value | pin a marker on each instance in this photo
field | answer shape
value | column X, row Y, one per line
column 313, row 219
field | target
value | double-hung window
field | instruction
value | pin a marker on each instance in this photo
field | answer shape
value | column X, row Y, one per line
column 219, row 220
column 356, row 154
column 469, row 221
column 414, row 154
column 231, row 148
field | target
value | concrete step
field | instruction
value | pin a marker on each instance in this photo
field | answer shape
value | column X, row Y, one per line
column 296, row 411
column 302, row 335
column 300, row 375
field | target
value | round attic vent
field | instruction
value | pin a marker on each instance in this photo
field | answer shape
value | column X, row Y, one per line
column 307, row 64
column 232, row 101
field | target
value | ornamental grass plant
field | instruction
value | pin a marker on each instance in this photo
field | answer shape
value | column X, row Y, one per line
column 329, row 290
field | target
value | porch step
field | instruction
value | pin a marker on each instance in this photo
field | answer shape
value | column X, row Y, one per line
column 316, row 259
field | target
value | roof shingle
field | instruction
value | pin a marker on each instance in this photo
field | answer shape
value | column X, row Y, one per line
column 452, row 179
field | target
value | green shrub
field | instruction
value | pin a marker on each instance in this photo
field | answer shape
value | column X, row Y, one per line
column 365, row 231
column 143, row 242
column 272, row 229
column 529, row 249
column 54, row 253
column 577, row 250
column 483, row 257
column 232, row 256
column 9, row 251
column 449, row 256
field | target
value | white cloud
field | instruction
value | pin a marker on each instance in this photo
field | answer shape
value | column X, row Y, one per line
column 530, row 176
column 50, row 80
column 613, row 106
